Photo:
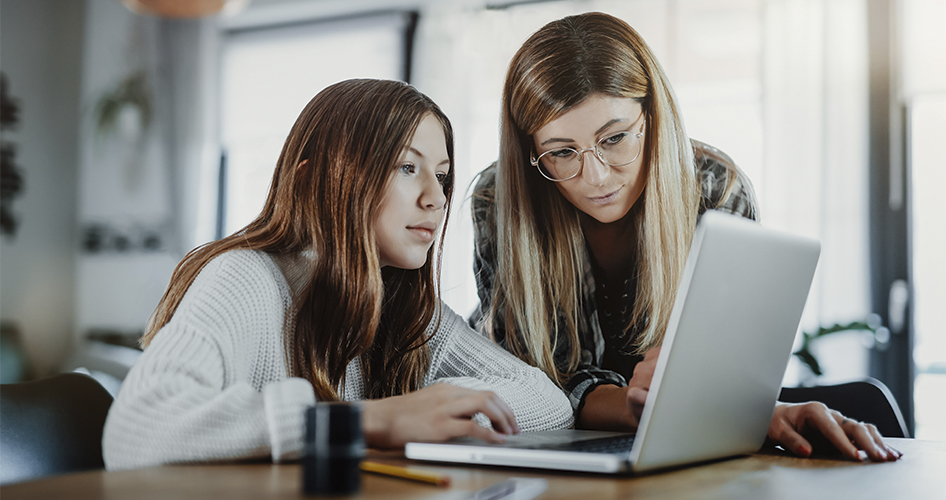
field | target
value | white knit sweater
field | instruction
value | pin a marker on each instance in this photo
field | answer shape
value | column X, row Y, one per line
column 213, row 383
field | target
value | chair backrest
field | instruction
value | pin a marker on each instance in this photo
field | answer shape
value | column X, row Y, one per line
column 867, row 400
column 51, row 426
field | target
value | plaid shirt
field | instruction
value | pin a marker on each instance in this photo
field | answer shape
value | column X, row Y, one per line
column 713, row 177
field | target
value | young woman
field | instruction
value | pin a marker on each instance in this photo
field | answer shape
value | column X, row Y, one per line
column 330, row 294
column 584, row 224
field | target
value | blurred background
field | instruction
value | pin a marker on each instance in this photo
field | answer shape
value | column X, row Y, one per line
column 134, row 131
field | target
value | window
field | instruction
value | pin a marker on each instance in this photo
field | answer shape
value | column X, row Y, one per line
column 927, row 127
column 268, row 76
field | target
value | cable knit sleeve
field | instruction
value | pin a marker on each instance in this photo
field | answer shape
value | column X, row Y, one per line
column 462, row 357
column 213, row 383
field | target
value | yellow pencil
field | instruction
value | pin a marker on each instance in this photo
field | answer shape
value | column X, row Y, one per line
column 406, row 473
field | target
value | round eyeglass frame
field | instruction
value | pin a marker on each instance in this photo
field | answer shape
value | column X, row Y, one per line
column 581, row 157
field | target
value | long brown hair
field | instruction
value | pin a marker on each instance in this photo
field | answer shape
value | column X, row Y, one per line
column 331, row 175
column 541, row 244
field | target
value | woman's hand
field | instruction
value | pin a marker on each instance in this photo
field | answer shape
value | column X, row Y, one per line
column 436, row 413
column 613, row 408
column 639, row 385
column 790, row 421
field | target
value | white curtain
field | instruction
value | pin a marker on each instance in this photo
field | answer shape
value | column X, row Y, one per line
column 814, row 179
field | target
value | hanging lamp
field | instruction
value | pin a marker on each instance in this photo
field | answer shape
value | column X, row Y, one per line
column 185, row 9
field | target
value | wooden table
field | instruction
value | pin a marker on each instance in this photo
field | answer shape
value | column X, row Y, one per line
column 920, row 474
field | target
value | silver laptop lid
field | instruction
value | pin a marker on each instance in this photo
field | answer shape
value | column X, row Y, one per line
column 725, row 353
column 726, row 347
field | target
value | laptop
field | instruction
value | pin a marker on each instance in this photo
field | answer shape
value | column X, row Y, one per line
column 727, row 345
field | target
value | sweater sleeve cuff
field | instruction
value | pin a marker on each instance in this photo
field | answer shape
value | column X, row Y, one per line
column 285, row 403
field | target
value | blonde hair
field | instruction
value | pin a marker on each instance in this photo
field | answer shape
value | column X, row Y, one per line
column 540, row 242
column 331, row 175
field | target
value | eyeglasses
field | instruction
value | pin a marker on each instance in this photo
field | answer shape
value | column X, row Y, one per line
column 562, row 164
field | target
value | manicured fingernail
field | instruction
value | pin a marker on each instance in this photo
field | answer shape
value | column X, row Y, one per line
column 883, row 454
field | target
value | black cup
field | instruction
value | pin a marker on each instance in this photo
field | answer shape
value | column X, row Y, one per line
column 334, row 447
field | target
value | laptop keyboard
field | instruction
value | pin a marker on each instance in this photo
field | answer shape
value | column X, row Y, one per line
column 612, row 444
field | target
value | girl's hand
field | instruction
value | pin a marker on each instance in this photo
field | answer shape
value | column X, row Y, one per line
column 849, row 436
column 436, row 413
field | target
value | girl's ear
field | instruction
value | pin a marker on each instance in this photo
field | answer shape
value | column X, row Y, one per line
column 300, row 165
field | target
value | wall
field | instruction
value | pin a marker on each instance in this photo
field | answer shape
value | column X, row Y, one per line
column 125, row 193
column 40, row 52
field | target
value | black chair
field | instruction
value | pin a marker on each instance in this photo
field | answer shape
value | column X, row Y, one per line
column 866, row 400
column 51, row 426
